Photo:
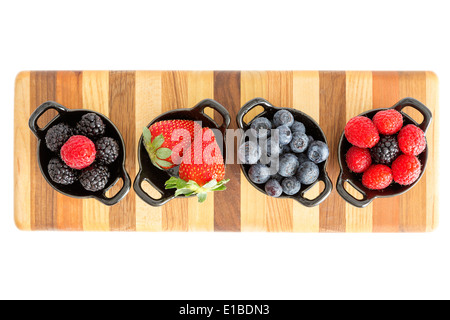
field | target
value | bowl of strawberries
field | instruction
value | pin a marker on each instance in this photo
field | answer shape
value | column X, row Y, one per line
column 181, row 154
column 80, row 153
column 383, row 152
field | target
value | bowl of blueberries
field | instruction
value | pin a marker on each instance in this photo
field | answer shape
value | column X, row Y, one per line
column 283, row 152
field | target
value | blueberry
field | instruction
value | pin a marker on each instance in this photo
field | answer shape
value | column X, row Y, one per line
column 249, row 153
column 285, row 149
column 284, row 134
column 259, row 173
column 298, row 127
column 271, row 149
column 318, row 152
column 302, row 157
column 311, row 139
column 288, row 165
column 260, row 127
column 273, row 188
column 277, row 177
column 283, row 117
column 299, row 142
column 291, row 186
column 308, row 172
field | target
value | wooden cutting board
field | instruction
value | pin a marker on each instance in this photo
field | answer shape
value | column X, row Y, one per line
column 132, row 99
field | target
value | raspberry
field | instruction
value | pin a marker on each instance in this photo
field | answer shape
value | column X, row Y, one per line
column 377, row 177
column 361, row 132
column 388, row 121
column 78, row 152
column 358, row 159
column 406, row 169
column 411, row 140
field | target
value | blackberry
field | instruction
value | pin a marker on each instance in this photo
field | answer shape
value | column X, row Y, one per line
column 107, row 150
column 57, row 135
column 94, row 178
column 90, row 125
column 386, row 150
column 61, row 173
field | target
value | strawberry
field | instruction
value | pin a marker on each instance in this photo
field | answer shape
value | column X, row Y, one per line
column 165, row 141
column 202, row 169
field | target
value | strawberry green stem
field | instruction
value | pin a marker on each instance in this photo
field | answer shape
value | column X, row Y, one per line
column 188, row 188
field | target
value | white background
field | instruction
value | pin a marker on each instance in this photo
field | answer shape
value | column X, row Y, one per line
column 309, row 35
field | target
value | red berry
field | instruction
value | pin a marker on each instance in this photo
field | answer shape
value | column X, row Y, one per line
column 388, row 121
column 358, row 159
column 411, row 140
column 361, row 132
column 406, row 169
column 377, row 177
column 78, row 152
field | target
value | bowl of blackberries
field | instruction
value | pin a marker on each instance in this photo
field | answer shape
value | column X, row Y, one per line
column 80, row 153
column 383, row 152
column 283, row 152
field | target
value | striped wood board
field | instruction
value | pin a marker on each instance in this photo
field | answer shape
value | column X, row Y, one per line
column 132, row 99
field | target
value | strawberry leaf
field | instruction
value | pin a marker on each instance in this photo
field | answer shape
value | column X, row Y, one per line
column 147, row 135
column 219, row 188
column 201, row 197
column 210, row 185
column 183, row 192
column 163, row 153
column 158, row 141
column 163, row 163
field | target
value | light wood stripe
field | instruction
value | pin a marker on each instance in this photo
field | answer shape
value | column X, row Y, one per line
column 174, row 88
column 43, row 197
column 332, row 121
column 413, row 216
column 227, row 91
column 306, row 99
column 279, row 212
column 121, row 109
column 148, row 107
column 253, row 210
column 95, row 92
column 358, row 99
column 69, row 211
column 201, row 86
column 385, row 93
column 432, row 196
column 22, row 137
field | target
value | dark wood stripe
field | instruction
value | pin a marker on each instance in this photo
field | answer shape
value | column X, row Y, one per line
column 43, row 197
column 227, row 91
column 69, row 211
column 280, row 212
column 385, row 93
column 174, row 95
column 121, row 112
column 413, row 207
column 332, row 121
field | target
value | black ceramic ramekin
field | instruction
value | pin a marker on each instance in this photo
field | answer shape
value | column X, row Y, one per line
column 71, row 117
column 355, row 179
column 312, row 129
column 156, row 177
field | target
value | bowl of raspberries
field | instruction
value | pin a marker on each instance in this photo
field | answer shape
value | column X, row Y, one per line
column 81, row 153
column 383, row 152
column 182, row 154
column 283, row 152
